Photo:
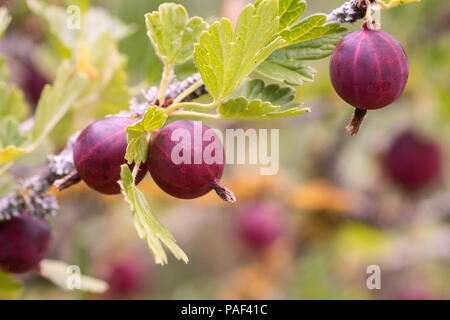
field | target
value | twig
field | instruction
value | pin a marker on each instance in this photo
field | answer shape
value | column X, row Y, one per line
column 349, row 12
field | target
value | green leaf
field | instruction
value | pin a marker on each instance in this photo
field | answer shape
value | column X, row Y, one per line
column 291, row 72
column 9, row 132
column 172, row 34
column 312, row 49
column 137, row 149
column 107, row 92
column 56, row 100
column 310, row 28
column 12, row 102
column 56, row 18
column 61, row 274
column 273, row 93
column 5, row 20
column 289, row 11
column 225, row 60
column 241, row 108
column 146, row 223
column 286, row 64
column 10, row 140
column 9, row 288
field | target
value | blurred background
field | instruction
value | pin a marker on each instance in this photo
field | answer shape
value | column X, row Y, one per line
column 338, row 204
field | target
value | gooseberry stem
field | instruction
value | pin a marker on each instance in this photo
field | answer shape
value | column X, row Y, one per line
column 357, row 119
column 223, row 192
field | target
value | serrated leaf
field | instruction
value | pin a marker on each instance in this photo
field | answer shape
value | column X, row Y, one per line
column 56, row 100
column 225, row 60
column 61, row 274
column 310, row 28
column 273, row 93
column 146, row 223
column 289, row 11
column 310, row 50
column 241, row 108
column 9, row 288
column 291, row 72
column 172, row 34
column 286, row 64
column 5, row 20
column 137, row 149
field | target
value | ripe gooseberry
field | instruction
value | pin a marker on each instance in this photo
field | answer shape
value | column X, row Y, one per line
column 369, row 70
column 127, row 277
column 24, row 242
column 99, row 152
column 194, row 175
column 261, row 223
column 413, row 161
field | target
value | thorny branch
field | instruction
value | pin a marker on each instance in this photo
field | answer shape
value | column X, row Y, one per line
column 31, row 194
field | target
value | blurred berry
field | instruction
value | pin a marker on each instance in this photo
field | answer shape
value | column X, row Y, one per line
column 24, row 242
column 127, row 278
column 413, row 161
column 261, row 223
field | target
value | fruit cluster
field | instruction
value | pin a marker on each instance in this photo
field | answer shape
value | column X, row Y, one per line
column 100, row 151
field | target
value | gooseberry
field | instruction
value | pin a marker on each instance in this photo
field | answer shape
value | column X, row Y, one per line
column 369, row 70
column 24, row 242
column 99, row 152
column 413, row 161
column 178, row 160
column 127, row 277
column 261, row 223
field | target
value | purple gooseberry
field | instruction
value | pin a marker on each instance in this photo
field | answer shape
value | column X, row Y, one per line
column 127, row 277
column 177, row 161
column 99, row 152
column 24, row 242
column 413, row 161
column 369, row 70
column 261, row 223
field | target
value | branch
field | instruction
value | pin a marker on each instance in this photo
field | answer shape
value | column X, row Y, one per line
column 31, row 195
column 349, row 12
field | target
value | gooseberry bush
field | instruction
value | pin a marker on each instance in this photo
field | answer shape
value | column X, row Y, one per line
column 248, row 72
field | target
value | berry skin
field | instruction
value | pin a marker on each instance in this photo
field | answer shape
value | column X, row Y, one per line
column 99, row 152
column 413, row 162
column 24, row 242
column 185, row 180
column 126, row 278
column 261, row 223
column 369, row 69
